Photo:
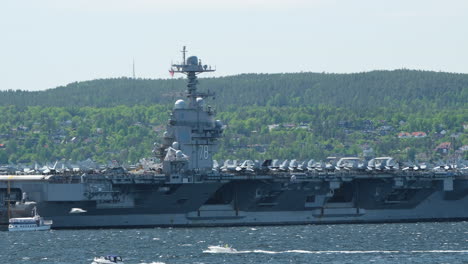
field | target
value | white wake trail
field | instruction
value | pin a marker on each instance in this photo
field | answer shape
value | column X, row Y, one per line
column 230, row 250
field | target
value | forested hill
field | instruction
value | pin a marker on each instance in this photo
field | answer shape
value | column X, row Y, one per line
column 408, row 89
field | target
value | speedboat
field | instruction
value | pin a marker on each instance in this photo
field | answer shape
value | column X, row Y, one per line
column 220, row 249
column 34, row 223
column 109, row 259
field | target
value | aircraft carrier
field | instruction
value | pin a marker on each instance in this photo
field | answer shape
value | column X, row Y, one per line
column 187, row 188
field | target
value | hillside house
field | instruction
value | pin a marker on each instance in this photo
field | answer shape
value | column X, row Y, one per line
column 274, row 126
column 303, row 126
column 404, row 135
column 443, row 148
column 289, row 125
column 419, row 134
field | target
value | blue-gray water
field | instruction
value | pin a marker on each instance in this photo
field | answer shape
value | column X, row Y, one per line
column 383, row 243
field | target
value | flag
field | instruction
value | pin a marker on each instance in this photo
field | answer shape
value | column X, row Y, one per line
column 171, row 72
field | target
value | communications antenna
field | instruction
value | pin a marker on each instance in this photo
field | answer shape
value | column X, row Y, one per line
column 192, row 66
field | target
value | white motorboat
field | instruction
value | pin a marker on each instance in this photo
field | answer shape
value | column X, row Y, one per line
column 220, row 249
column 110, row 259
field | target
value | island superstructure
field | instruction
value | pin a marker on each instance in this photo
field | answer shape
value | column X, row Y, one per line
column 188, row 188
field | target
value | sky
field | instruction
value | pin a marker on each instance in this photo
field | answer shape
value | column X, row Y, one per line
column 49, row 43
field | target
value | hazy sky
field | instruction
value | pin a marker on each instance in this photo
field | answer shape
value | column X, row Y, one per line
column 49, row 43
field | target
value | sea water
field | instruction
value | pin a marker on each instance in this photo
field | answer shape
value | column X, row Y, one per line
column 370, row 243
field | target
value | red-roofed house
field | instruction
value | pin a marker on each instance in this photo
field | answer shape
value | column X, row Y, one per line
column 443, row 147
column 404, row 135
column 419, row 134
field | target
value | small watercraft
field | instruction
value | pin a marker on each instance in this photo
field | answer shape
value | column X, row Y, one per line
column 109, row 259
column 220, row 249
column 34, row 223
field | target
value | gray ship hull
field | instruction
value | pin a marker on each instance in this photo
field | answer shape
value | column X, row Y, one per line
column 269, row 200
column 433, row 209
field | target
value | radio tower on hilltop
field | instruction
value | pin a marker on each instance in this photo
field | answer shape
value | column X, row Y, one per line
column 134, row 77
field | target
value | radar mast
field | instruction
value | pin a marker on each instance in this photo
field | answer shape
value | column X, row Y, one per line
column 192, row 66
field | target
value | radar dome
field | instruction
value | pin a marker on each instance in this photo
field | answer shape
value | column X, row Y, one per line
column 175, row 145
column 192, row 60
column 200, row 101
column 179, row 104
column 179, row 154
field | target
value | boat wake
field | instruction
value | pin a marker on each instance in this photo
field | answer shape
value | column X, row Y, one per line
column 230, row 250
